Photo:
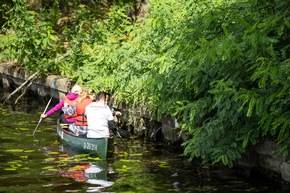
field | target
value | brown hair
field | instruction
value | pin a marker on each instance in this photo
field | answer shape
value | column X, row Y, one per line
column 103, row 96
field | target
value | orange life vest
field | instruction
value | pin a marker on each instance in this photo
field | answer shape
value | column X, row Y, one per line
column 80, row 111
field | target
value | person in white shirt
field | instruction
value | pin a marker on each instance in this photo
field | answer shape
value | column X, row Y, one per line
column 99, row 117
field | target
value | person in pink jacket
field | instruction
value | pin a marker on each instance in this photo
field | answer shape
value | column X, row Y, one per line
column 67, row 100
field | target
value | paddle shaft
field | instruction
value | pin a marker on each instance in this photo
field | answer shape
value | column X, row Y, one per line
column 121, row 139
column 42, row 113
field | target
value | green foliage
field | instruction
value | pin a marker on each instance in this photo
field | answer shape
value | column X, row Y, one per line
column 30, row 40
column 219, row 75
column 220, row 68
column 5, row 6
column 94, row 49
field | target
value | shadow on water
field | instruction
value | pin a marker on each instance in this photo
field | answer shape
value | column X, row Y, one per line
column 44, row 164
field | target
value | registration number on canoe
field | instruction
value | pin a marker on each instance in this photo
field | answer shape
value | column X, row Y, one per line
column 90, row 146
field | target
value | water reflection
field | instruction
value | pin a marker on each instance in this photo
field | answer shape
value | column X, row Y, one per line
column 80, row 168
column 94, row 173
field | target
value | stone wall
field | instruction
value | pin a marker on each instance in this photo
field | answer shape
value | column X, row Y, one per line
column 14, row 76
column 263, row 158
column 268, row 159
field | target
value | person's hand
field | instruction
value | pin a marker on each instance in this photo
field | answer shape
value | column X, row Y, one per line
column 118, row 113
column 43, row 116
column 65, row 104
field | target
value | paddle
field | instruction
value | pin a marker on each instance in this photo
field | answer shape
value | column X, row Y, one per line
column 125, row 145
column 41, row 117
column 125, row 135
column 52, row 86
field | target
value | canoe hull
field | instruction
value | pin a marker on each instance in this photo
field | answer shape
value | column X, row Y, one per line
column 101, row 147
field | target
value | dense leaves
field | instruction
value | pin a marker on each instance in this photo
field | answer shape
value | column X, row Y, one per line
column 221, row 68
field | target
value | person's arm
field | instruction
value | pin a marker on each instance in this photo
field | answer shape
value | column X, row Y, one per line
column 112, row 125
column 56, row 108
column 111, row 122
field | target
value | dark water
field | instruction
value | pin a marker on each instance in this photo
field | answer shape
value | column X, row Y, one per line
column 43, row 164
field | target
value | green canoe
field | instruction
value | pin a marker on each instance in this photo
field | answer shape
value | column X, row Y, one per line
column 101, row 147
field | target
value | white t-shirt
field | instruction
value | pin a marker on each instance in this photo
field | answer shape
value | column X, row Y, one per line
column 98, row 114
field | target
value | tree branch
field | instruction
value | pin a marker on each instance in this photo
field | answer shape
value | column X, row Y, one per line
column 33, row 76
